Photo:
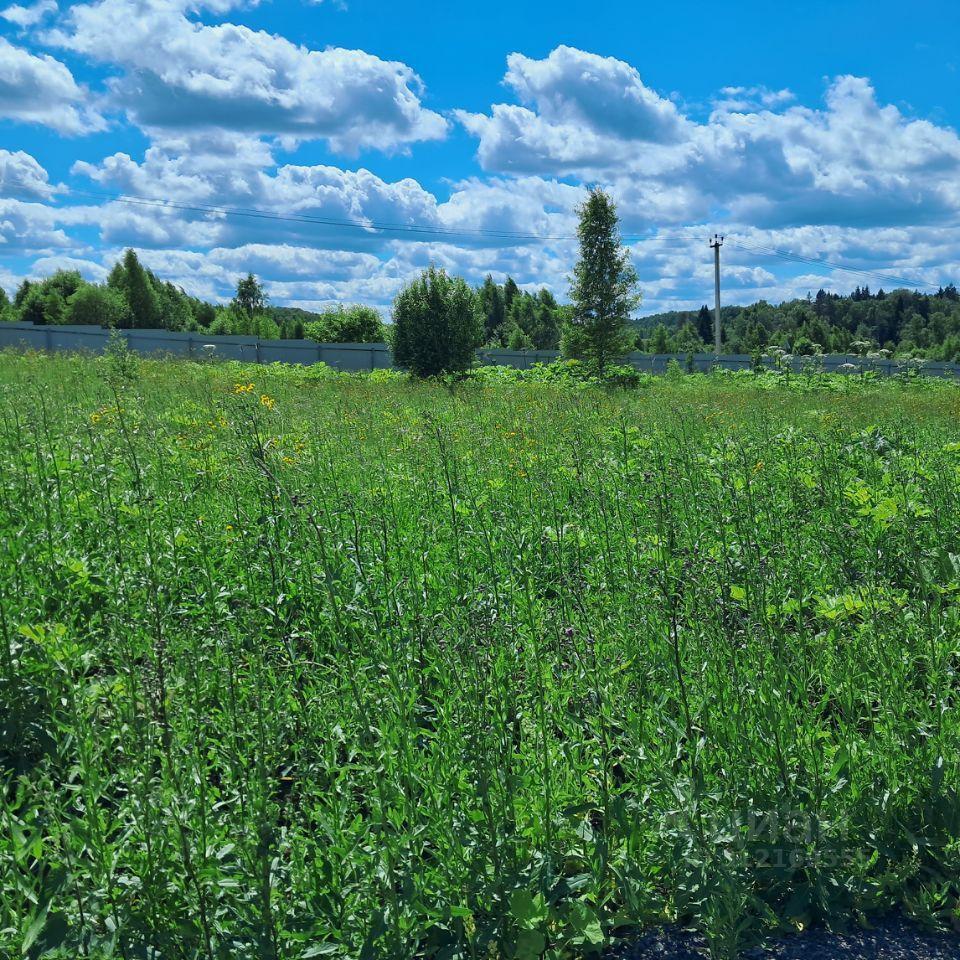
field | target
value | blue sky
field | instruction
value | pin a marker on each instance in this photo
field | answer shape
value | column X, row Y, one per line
column 827, row 130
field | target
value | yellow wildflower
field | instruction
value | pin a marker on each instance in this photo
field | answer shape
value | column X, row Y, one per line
column 268, row 402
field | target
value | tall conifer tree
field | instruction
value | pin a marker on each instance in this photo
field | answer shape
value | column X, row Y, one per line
column 604, row 287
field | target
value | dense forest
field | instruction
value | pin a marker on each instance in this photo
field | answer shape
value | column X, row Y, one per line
column 902, row 322
column 519, row 320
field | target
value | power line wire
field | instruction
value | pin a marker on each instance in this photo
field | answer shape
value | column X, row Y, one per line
column 366, row 225
column 817, row 261
column 428, row 230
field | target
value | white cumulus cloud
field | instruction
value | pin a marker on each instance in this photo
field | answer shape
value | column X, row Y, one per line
column 757, row 159
column 22, row 176
column 30, row 16
column 36, row 88
column 225, row 108
column 181, row 74
column 322, row 204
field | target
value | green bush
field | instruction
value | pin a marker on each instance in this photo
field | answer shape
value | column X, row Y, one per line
column 572, row 373
column 356, row 324
column 42, row 305
column 91, row 304
column 437, row 325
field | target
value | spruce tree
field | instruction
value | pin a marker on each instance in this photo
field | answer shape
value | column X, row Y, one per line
column 21, row 294
column 660, row 339
column 604, row 287
column 705, row 324
column 522, row 316
column 510, row 290
column 494, row 312
column 132, row 281
column 546, row 333
column 204, row 314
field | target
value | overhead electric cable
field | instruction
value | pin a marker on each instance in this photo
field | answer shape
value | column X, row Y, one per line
column 822, row 262
column 428, row 230
column 367, row 225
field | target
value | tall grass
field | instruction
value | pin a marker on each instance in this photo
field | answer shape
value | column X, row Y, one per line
column 295, row 666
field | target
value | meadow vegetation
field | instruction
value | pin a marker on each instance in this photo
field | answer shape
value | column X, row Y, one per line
column 303, row 664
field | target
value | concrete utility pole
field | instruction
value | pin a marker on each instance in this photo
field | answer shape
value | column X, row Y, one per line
column 716, row 243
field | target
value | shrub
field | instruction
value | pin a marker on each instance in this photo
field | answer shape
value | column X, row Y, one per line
column 123, row 365
column 437, row 325
column 42, row 305
column 565, row 373
column 94, row 305
column 517, row 339
column 356, row 324
column 624, row 376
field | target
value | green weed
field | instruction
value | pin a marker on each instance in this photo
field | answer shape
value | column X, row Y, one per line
column 303, row 664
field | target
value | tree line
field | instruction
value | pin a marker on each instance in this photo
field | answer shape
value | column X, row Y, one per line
column 901, row 323
column 134, row 297
column 438, row 320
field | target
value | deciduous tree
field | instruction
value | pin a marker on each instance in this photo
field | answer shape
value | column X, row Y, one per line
column 250, row 298
column 356, row 324
column 93, row 304
column 437, row 324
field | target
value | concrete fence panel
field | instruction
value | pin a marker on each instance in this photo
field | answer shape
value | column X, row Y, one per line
column 22, row 336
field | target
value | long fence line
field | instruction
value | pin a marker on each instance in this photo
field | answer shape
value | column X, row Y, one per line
column 376, row 356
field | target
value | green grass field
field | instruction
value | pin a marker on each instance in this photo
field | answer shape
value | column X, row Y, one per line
column 296, row 664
